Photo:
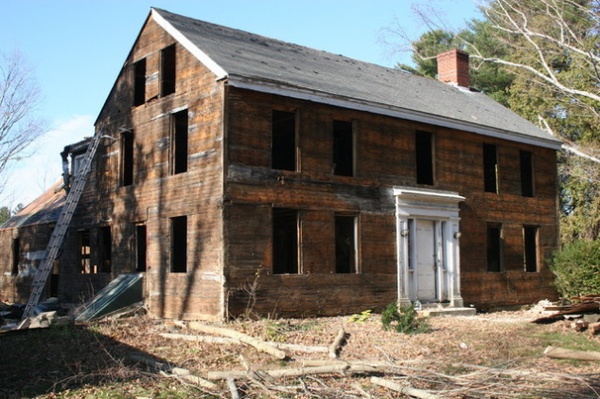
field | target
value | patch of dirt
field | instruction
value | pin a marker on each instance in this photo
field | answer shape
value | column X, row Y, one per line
column 494, row 355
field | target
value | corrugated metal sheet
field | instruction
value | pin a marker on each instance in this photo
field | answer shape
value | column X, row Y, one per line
column 123, row 291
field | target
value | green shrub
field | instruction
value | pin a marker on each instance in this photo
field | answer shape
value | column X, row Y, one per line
column 577, row 268
column 404, row 320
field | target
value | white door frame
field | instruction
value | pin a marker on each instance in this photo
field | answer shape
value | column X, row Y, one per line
column 441, row 207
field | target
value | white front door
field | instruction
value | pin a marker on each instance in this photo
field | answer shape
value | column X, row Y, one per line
column 426, row 259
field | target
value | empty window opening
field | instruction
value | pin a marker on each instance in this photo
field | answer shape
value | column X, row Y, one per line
column 424, row 157
column 16, row 255
column 105, row 249
column 179, row 244
column 530, row 248
column 139, row 82
column 167, row 71
column 494, row 248
column 285, row 241
column 345, row 244
column 77, row 163
column 85, row 250
column 490, row 168
column 127, row 159
column 179, row 142
column 527, row 186
column 343, row 148
column 141, row 247
column 283, row 141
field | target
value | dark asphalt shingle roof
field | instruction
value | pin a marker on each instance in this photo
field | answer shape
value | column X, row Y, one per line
column 245, row 57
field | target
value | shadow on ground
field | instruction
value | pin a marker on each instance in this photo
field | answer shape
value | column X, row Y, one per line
column 40, row 361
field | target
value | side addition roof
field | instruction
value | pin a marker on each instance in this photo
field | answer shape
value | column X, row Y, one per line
column 259, row 63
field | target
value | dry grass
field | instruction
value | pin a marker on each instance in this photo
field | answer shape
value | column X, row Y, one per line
column 495, row 355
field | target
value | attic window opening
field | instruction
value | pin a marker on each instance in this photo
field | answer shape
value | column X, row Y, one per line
column 126, row 159
column 285, row 241
column 490, row 168
column 424, row 157
column 283, row 141
column 167, row 70
column 179, row 244
column 76, row 163
column 139, row 82
column 179, row 142
column 345, row 244
column 343, row 148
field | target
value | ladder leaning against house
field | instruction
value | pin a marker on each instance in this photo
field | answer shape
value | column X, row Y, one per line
column 60, row 230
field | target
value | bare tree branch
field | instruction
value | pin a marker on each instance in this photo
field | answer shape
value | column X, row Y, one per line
column 19, row 98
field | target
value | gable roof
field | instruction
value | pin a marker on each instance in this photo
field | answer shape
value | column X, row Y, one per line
column 44, row 209
column 260, row 63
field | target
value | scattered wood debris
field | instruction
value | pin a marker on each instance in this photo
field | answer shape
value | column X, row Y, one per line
column 561, row 353
column 167, row 370
column 226, row 332
column 589, row 304
column 338, row 343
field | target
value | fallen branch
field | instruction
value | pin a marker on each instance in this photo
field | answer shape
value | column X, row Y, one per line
column 200, row 338
column 338, row 343
column 333, row 368
column 561, row 353
column 168, row 371
column 417, row 393
column 300, row 348
column 233, row 389
column 256, row 343
column 224, row 340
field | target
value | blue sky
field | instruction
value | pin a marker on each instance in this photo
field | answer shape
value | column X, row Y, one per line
column 77, row 48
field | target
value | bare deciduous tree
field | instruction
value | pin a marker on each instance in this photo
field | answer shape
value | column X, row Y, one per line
column 19, row 99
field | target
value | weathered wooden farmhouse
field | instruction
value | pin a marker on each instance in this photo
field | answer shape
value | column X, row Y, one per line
column 246, row 174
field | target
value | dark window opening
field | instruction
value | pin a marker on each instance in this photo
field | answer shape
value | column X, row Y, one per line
column 167, row 71
column 179, row 244
column 494, row 249
column 127, row 159
column 490, row 168
column 105, row 249
column 141, row 247
column 530, row 234
column 343, row 148
column 527, row 186
column 139, row 84
column 16, row 255
column 283, row 141
column 285, row 241
column 85, row 250
column 345, row 244
column 424, row 156
column 179, row 142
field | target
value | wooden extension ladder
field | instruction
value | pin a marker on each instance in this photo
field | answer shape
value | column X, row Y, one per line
column 60, row 230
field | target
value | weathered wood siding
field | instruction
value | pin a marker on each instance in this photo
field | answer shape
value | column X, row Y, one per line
column 156, row 194
column 16, row 287
column 385, row 157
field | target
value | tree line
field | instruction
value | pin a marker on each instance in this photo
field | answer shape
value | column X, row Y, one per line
column 540, row 58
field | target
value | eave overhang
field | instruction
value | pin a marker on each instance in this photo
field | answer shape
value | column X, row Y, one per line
column 277, row 88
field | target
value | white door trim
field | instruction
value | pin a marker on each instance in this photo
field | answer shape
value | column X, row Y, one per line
column 442, row 207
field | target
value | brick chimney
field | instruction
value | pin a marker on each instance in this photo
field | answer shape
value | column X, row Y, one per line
column 453, row 67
